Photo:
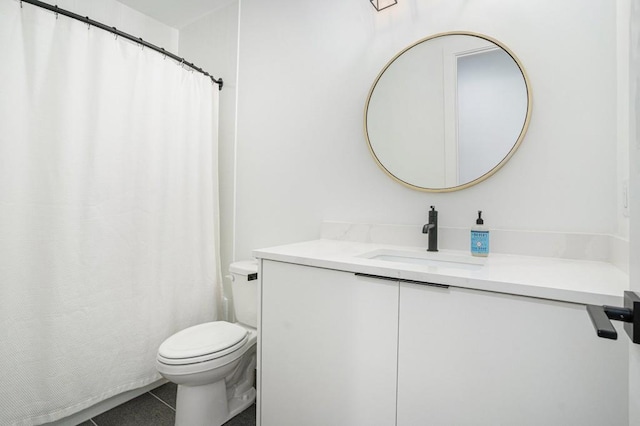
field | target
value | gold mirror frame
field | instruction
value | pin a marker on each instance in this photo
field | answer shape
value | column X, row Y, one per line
column 511, row 152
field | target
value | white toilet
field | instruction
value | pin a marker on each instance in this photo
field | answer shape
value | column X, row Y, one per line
column 214, row 363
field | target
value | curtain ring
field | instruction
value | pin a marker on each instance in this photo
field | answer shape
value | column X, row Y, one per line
column 56, row 11
column 115, row 32
column 141, row 42
column 88, row 23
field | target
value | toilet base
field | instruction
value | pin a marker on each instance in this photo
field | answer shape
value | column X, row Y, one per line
column 215, row 403
column 204, row 405
column 242, row 393
column 207, row 405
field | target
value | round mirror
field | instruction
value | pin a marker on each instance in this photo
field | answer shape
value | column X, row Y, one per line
column 448, row 111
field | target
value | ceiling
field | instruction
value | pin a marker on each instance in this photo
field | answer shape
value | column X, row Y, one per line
column 175, row 13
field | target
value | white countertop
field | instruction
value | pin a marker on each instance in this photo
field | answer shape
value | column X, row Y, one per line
column 577, row 281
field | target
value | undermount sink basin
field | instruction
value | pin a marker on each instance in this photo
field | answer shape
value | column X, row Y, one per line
column 437, row 259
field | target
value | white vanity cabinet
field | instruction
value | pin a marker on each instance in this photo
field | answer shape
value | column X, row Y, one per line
column 502, row 344
column 469, row 357
column 328, row 347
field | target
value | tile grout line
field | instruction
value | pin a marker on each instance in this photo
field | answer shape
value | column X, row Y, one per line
column 160, row 399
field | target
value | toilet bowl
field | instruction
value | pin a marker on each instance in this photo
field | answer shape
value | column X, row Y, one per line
column 213, row 363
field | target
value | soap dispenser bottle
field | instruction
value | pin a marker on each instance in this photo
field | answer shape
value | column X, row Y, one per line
column 479, row 238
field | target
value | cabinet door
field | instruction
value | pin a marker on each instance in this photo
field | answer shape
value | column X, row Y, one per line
column 478, row 358
column 328, row 347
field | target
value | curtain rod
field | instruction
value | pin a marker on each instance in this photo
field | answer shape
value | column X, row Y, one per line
column 119, row 33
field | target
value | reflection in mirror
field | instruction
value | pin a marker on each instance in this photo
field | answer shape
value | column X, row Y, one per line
column 447, row 112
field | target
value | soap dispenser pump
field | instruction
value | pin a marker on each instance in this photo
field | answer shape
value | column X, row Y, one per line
column 479, row 238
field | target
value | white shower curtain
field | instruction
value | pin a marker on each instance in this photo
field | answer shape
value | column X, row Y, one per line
column 108, row 212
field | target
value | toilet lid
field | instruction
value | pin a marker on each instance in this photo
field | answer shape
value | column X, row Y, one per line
column 202, row 339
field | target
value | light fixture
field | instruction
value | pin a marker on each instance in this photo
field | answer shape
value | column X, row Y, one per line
column 383, row 4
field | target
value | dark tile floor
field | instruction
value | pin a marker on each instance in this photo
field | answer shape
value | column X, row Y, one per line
column 157, row 408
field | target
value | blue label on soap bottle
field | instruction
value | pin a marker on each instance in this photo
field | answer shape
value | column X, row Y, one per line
column 480, row 242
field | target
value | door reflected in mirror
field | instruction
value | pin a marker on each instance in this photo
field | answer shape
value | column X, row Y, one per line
column 448, row 111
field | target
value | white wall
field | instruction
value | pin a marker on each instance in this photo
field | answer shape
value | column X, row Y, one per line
column 305, row 69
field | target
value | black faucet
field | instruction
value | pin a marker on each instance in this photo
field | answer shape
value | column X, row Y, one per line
column 431, row 228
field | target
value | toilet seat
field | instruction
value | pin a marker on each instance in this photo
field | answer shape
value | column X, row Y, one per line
column 202, row 342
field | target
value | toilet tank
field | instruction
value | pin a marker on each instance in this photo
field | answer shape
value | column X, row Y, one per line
column 245, row 291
